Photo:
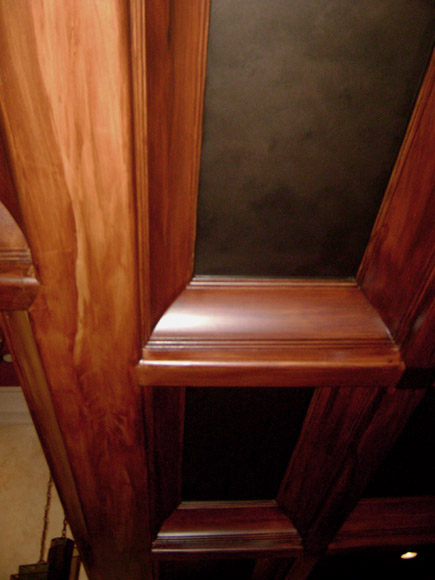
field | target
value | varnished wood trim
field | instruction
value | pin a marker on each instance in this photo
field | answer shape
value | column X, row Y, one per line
column 18, row 285
column 226, row 529
column 350, row 432
column 175, row 35
column 376, row 522
column 397, row 272
column 140, row 156
column 270, row 333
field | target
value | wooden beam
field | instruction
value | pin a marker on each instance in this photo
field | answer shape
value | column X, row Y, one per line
column 349, row 432
column 67, row 121
column 397, row 272
column 175, row 40
column 226, row 529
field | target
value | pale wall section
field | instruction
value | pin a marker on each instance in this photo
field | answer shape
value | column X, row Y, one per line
column 23, row 486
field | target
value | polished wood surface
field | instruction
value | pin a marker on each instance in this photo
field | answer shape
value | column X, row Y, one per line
column 404, row 521
column 101, row 114
column 270, row 333
column 210, row 529
column 398, row 269
column 18, row 284
column 176, row 45
column 67, row 123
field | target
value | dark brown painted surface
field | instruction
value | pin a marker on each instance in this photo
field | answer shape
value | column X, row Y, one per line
column 306, row 106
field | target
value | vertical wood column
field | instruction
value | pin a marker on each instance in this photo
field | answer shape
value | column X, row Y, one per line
column 65, row 101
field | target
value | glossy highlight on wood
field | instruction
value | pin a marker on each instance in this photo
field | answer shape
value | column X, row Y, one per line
column 270, row 333
column 234, row 528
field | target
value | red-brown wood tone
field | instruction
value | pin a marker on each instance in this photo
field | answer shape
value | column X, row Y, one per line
column 8, row 194
column 271, row 568
column 270, row 333
column 302, row 567
column 164, row 423
column 65, row 104
column 335, row 420
column 176, row 43
column 398, row 269
column 219, row 529
column 348, row 432
column 18, row 285
column 403, row 521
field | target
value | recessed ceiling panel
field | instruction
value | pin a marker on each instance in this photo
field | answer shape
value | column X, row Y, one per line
column 238, row 442
column 306, row 106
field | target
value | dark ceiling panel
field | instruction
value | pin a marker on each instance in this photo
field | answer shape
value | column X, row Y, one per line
column 238, row 442
column 409, row 469
column 306, row 106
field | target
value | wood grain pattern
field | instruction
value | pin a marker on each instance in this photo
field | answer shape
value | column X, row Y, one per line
column 397, row 272
column 176, row 42
column 164, row 425
column 66, row 117
column 404, row 521
column 18, row 285
column 270, row 333
column 234, row 529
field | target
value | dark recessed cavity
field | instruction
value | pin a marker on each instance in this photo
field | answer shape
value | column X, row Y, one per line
column 238, row 441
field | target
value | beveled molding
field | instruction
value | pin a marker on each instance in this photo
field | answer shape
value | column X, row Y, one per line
column 270, row 333
column 266, row 332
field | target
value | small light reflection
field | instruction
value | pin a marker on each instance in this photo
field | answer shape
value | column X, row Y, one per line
column 408, row 555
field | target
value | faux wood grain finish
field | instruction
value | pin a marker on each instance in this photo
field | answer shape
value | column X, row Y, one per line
column 398, row 269
column 235, row 529
column 18, row 285
column 404, row 521
column 65, row 105
column 176, row 43
column 270, row 333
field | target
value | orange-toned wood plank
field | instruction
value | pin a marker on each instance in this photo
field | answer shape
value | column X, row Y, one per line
column 270, row 333
column 220, row 529
column 403, row 521
column 397, row 272
column 176, row 42
column 67, row 123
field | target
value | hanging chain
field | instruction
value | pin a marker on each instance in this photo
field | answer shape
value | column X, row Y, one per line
column 65, row 523
column 45, row 526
